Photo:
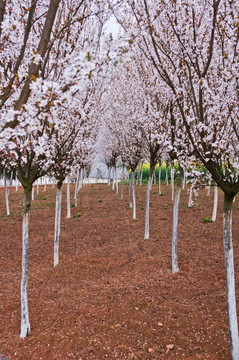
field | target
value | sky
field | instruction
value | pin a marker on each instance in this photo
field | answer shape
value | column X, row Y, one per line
column 112, row 27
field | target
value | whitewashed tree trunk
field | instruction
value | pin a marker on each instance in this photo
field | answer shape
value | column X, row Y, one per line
column 45, row 184
column 172, row 180
column 154, row 177
column 6, row 192
column 25, row 323
column 109, row 170
column 68, row 196
column 141, row 175
column 230, row 275
column 214, row 213
column 16, row 183
column 166, row 175
column 133, row 197
column 57, row 223
column 33, row 192
column 10, row 183
column 77, row 187
column 184, row 179
column 138, row 176
column 146, row 229
column 81, row 178
column 37, row 186
column 175, row 224
column 116, row 182
column 130, row 191
column 53, row 183
column 208, row 188
column 159, row 180
column 190, row 199
column 122, row 184
column 113, row 183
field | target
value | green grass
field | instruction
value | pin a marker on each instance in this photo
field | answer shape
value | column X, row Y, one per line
column 205, row 220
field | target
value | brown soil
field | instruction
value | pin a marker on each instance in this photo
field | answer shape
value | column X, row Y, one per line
column 113, row 295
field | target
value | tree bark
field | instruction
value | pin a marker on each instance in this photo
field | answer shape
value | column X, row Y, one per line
column 68, row 198
column 214, row 213
column 166, row 175
column 122, row 184
column 175, row 223
column 229, row 262
column 172, row 180
column 6, row 192
column 25, row 323
column 159, row 180
column 113, row 184
column 116, row 182
column 57, row 223
column 146, row 230
column 190, row 199
column 77, row 187
column 33, row 192
column 109, row 176
column 130, row 192
column 133, row 196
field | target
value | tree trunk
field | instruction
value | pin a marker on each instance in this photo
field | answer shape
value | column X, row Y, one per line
column 130, row 191
column 166, row 175
column 116, row 182
column 25, row 324
column 133, row 197
column 81, row 178
column 6, row 192
column 175, row 223
column 214, row 213
column 141, row 175
column 113, row 183
column 16, row 183
column 109, row 176
column 146, row 230
column 159, row 180
column 172, row 180
column 33, row 192
column 37, row 186
column 184, row 179
column 57, row 223
column 208, row 188
column 122, row 184
column 76, row 187
column 45, row 184
column 190, row 199
column 68, row 198
column 229, row 262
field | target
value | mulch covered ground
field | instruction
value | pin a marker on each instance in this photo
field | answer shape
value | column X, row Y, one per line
column 113, row 295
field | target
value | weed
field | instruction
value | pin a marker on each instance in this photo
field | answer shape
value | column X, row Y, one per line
column 163, row 218
column 100, row 200
column 72, row 205
column 205, row 219
column 78, row 215
column 142, row 208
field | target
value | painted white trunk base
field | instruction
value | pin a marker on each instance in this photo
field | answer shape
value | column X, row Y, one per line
column 230, row 275
column 57, row 225
column 214, row 213
column 25, row 324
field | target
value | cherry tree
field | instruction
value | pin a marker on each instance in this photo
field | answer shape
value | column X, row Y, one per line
column 45, row 56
